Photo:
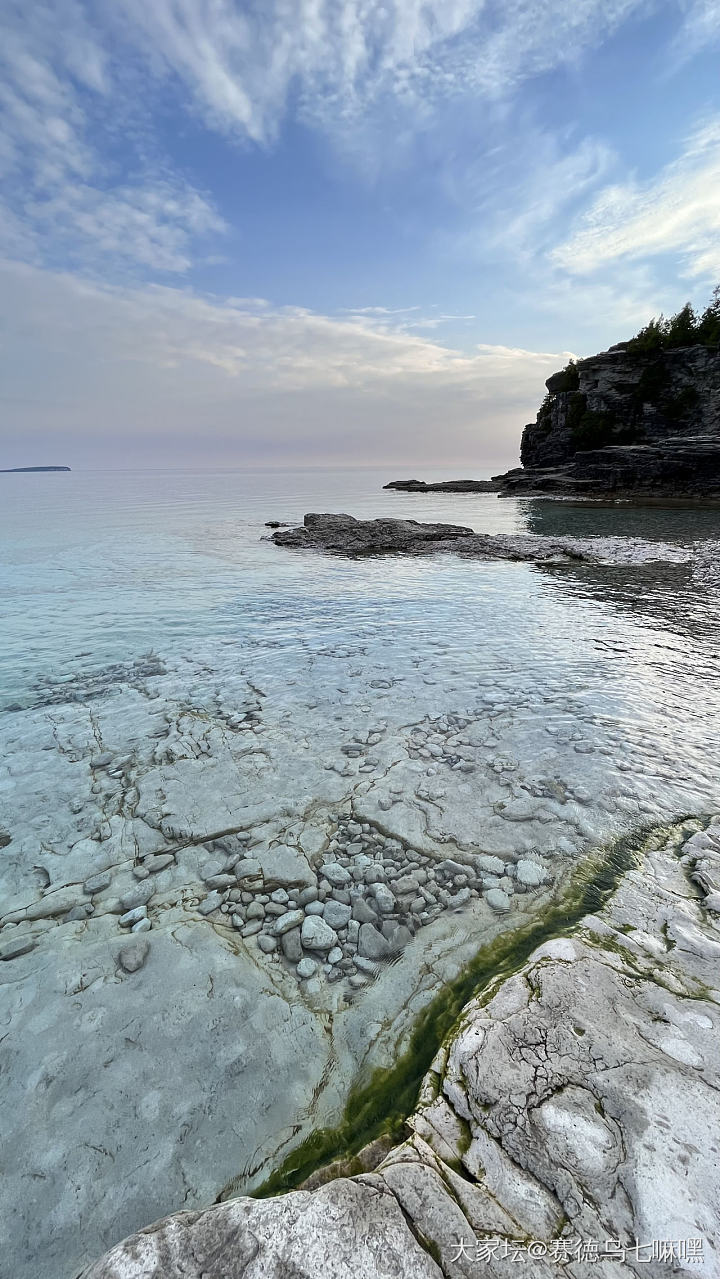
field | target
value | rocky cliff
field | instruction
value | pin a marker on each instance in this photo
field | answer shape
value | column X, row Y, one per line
column 627, row 420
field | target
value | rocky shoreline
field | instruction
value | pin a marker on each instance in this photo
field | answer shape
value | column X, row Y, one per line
column 562, row 1127
column 629, row 423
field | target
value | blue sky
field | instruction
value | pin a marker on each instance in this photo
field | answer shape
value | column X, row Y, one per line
column 317, row 231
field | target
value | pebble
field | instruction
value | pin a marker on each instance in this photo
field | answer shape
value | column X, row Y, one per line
column 336, row 914
column 252, row 928
column 78, row 912
column 315, row 908
column 274, row 908
column 292, row 945
column 291, row 919
column 142, row 926
column 488, row 865
column 335, row 955
column 497, row 899
column 528, row 872
column 215, row 881
column 458, row 899
column 211, row 903
column 96, row 883
column 372, row 944
column 384, row 898
column 255, row 910
column 267, row 944
column 307, row 895
column 336, row 874
column 140, row 895
column 316, row 934
column 212, row 868
column 132, row 916
column 133, row 956
column 306, row 968
column 406, row 884
column 362, row 912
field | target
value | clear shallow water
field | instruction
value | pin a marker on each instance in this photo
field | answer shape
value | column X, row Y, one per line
column 100, row 569
column 586, row 701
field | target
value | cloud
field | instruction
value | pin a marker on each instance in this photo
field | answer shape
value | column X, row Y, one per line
column 108, row 372
column 700, row 30
column 64, row 200
column 334, row 60
column 677, row 212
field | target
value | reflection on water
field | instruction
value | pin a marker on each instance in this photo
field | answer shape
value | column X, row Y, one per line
column 662, row 523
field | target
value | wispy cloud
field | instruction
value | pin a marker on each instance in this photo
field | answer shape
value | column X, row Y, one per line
column 677, row 212
column 63, row 195
column 336, row 58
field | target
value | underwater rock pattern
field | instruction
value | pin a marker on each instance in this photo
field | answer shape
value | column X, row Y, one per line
column 568, row 1126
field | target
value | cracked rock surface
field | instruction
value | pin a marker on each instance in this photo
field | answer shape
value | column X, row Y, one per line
column 578, row 1100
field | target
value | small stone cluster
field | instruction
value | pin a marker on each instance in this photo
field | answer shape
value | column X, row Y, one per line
column 439, row 741
column 372, row 894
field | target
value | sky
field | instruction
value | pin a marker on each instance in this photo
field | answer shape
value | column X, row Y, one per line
column 338, row 232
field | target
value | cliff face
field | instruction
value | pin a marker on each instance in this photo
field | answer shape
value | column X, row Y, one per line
column 628, row 419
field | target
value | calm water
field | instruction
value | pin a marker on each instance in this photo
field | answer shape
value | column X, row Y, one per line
column 101, row 569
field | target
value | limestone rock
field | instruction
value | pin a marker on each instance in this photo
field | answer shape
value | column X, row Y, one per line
column 133, row 956
column 589, row 1073
column 316, row 934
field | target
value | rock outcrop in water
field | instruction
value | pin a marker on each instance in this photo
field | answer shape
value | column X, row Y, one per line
column 567, row 1127
column 15, row 470
column 627, row 421
column 444, row 486
column 344, row 535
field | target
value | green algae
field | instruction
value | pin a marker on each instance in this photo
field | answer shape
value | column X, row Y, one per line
column 380, row 1105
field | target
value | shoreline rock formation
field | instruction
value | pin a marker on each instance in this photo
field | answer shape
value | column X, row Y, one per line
column 444, row 486
column 16, row 470
column 633, row 421
column 345, row 535
column 567, row 1120
column 626, row 422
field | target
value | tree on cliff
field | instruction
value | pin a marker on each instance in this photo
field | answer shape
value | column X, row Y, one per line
column 685, row 328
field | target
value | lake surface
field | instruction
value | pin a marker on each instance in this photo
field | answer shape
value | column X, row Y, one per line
column 100, row 569
column 168, row 676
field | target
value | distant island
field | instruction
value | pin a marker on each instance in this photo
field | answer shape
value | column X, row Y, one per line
column 11, row 470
